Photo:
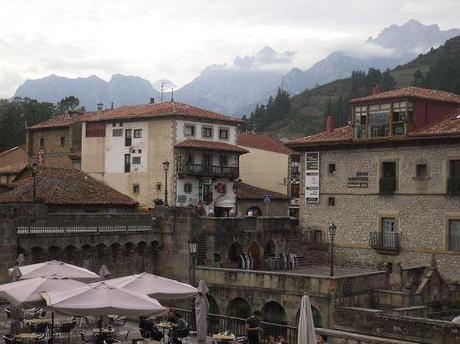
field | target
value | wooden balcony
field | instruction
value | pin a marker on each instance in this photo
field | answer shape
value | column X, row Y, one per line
column 385, row 243
column 200, row 170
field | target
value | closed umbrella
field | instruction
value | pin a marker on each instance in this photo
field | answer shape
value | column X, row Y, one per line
column 201, row 312
column 21, row 259
column 154, row 286
column 306, row 332
column 58, row 268
column 27, row 292
column 15, row 274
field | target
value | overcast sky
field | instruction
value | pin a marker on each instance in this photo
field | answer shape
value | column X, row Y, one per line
column 176, row 39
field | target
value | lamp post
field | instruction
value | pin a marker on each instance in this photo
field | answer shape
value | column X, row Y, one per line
column 166, row 168
column 332, row 230
column 193, row 248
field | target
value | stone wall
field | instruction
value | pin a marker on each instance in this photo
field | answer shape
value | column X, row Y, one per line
column 420, row 206
column 275, row 208
column 8, row 247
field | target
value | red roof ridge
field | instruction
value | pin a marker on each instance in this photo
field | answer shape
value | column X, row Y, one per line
column 247, row 191
column 262, row 141
column 339, row 134
column 441, row 126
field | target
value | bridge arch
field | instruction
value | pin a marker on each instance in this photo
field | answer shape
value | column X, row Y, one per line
column 37, row 254
column 116, row 249
column 317, row 316
column 239, row 308
column 274, row 313
column 54, row 253
column 129, row 248
column 213, row 306
column 69, row 253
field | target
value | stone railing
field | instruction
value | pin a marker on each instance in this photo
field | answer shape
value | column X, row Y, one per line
column 86, row 223
column 248, row 224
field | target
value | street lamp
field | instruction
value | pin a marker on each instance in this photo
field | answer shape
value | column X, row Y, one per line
column 193, row 248
column 166, row 168
column 332, row 230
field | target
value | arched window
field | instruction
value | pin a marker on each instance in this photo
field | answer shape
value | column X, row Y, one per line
column 270, row 248
column 234, row 253
column 239, row 308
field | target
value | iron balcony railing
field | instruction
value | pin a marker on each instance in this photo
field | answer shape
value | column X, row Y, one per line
column 385, row 242
column 208, row 170
column 453, row 185
column 387, row 186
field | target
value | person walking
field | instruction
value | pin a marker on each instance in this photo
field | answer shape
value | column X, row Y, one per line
column 253, row 327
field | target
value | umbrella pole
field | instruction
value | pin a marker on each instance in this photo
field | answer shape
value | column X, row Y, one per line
column 100, row 329
column 52, row 327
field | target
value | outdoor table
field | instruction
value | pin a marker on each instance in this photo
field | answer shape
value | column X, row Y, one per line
column 223, row 338
column 28, row 337
column 164, row 325
column 105, row 331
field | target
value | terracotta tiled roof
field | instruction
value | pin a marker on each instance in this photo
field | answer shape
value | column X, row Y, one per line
column 57, row 121
column 65, row 187
column 263, row 142
column 210, row 145
column 341, row 134
column 246, row 191
column 10, row 150
column 14, row 168
column 157, row 110
column 446, row 127
column 411, row 92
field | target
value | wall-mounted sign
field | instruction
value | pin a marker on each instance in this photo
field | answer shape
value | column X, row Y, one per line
column 312, row 177
column 361, row 180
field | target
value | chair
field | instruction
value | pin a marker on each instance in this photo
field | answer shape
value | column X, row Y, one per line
column 66, row 328
column 8, row 317
column 87, row 337
column 9, row 339
column 122, row 335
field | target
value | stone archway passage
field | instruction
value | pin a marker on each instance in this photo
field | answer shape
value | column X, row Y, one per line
column 234, row 253
column 273, row 312
column 239, row 308
column 254, row 252
column 269, row 248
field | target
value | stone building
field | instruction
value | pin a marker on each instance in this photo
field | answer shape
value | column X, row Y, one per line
column 390, row 181
column 55, row 142
column 270, row 165
column 253, row 199
column 12, row 162
column 127, row 146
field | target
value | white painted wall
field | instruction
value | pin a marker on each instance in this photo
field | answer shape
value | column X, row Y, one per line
column 115, row 148
column 198, row 126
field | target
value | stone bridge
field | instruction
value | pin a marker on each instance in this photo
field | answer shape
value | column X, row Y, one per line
column 277, row 294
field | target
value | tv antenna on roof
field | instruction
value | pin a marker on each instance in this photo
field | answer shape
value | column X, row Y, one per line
column 161, row 91
column 172, row 94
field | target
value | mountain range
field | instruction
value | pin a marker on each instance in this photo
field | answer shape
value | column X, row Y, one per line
column 236, row 88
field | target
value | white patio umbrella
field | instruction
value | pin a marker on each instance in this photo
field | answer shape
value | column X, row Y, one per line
column 58, row 268
column 99, row 299
column 306, row 332
column 104, row 272
column 201, row 312
column 27, row 292
column 154, row 286
column 15, row 274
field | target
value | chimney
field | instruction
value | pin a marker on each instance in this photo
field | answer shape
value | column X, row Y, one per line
column 376, row 89
column 329, row 124
column 152, row 100
column 99, row 105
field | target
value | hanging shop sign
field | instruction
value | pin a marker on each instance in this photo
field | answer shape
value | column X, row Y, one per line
column 312, row 177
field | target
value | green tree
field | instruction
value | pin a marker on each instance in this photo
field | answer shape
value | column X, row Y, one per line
column 68, row 104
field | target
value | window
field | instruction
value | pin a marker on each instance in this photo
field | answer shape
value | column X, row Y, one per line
column 187, row 187
column 421, row 171
column 139, row 151
column 128, row 141
column 388, row 177
column 62, row 141
column 331, row 168
column 114, row 124
column 42, row 142
column 136, row 160
column 136, row 188
column 117, row 132
column 207, row 132
column 189, row 130
column 454, row 235
column 331, row 201
column 137, row 133
column 120, row 124
column 223, row 134
column 223, row 160
column 190, row 159
column 388, row 225
column 360, row 121
column 453, row 182
column 378, row 120
column 127, row 162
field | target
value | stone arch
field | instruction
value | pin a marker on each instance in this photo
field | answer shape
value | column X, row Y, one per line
column 129, row 248
column 141, row 247
column 69, row 253
column 37, row 254
column 273, row 312
column 101, row 251
column 234, row 253
column 254, row 252
column 115, row 248
column 256, row 211
column 155, row 250
column 270, row 248
column 87, row 255
column 317, row 316
column 213, row 306
column 239, row 308
column 54, row 253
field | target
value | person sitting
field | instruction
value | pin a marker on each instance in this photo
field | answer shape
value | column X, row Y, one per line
column 180, row 329
column 148, row 329
column 271, row 340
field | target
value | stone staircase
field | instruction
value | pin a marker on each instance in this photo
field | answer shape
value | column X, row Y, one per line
column 309, row 248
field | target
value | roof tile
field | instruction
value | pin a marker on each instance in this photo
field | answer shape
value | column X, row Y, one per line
column 246, row 191
column 263, row 142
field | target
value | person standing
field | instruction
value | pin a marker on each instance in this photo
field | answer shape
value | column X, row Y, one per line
column 253, row 327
